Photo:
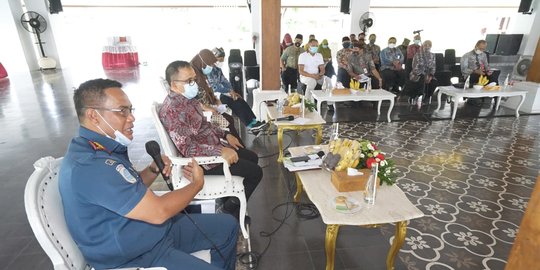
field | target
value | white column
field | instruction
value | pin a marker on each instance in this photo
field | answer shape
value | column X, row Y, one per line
column 527, row 24
column 256, row 26
column 358, row 7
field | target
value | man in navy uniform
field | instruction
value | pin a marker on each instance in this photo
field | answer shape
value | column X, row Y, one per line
column 112, row 215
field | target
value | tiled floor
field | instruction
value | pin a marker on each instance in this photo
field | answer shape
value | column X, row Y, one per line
column 471, row 177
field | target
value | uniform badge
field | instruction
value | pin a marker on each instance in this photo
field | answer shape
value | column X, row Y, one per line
column 126, row 174
column 110, row 162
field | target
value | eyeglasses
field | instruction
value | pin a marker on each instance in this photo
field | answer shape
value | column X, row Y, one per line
column 189, row 81
column 124, row 111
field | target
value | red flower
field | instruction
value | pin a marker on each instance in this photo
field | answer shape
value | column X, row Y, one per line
column 369, row 161
column 380, row 156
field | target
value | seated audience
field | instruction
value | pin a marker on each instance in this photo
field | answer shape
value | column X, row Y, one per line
column 352, row 37
column 374, row 50
column 224, row 92
column 311, row 68
column 329, row 71
column 475, row 64
column 182, row 117
column 403, row 47
column 421, row 82
column 362, row 38
column 306, row 46
column 391, row 67
column 360, row 63
column 113, row 216
column 289, row 64
column 341, row 57
column 411, row 51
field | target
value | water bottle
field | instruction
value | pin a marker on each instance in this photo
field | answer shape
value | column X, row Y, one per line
column 334, row 135
column 370, row 194
column 280, row 104
column 506, row 80
column 466, row 85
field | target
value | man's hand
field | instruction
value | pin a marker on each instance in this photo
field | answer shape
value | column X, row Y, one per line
column 234, row 95
column 194, row 173
column 479, row 71
column 167, row 165
column 229, row 155
column 428, row 79
column 233, row 142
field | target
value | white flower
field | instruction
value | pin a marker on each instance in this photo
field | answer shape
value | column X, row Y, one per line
column 362, row 155
column 384, row 163
column 370, row 147
column 376, row 153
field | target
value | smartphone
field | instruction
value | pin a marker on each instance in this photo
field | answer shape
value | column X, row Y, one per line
column 300, row 159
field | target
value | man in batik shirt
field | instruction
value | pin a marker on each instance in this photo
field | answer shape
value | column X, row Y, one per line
column 421, row 76
column 374, row 50
column 341, row 57
column 362, row 63
column 475, row 64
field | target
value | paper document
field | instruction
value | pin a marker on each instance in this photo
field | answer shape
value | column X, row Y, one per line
column 300, row 121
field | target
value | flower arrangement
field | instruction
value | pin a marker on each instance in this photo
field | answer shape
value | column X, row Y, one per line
column 295, row 99
column 359, row 154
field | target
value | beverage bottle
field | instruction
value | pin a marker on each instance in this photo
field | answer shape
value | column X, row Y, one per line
column 466, row 85
column 506, row 80
column 370, row 194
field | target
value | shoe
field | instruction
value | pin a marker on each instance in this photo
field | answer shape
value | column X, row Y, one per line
column 258, row 126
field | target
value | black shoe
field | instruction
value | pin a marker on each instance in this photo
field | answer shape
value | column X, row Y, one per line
column 258, row 127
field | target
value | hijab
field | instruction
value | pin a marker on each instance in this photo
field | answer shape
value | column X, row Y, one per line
column 199, row 61
column 326, row 52
column 286, row 39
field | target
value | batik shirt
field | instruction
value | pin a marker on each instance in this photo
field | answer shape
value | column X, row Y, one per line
column 360, row 64
column 423, row 64
column 290, row 56
column 472, row 61
column 218, row 82
column 388, row 56
column 342, row 56
column 375, row 51
column 187, row 127
column 412, row 50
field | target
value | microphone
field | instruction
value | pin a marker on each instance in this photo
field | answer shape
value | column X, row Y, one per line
column 417, row 31
column 285, row 118
column 152, row 148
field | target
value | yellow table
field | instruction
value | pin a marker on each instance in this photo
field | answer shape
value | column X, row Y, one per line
column 312, row 120
column 392, row 206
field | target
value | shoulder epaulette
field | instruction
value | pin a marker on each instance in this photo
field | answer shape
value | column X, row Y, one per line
column 98, row 147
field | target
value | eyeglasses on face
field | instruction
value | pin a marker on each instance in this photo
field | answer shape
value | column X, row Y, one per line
column 189, row 81
column 124, row 111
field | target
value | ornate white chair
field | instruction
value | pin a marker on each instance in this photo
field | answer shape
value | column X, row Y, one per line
column 46, row 216
column 215, row 186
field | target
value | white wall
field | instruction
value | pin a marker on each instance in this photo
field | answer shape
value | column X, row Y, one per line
column 15, row 55
column 358, row 7
column 529, row 25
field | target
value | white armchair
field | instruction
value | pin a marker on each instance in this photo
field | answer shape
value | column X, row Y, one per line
column 215, row 186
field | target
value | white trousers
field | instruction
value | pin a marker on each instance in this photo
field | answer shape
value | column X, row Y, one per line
column 310, row 85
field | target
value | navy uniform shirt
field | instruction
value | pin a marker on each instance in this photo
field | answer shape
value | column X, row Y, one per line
column 99, row 186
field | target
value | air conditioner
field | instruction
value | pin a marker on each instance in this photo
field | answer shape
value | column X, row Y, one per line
column 522, row 68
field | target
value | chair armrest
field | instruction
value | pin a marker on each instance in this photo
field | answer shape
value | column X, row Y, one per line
column 179, row 162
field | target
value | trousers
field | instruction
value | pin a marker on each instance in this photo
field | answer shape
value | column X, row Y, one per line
column 183, row 238
column 310, row 84
column 392, row 79
column 239, row 107
column 289, row 77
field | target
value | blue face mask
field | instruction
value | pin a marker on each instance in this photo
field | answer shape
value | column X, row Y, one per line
column 207, row 70
column 190, row 91
column 313, row 49
column 118, row 136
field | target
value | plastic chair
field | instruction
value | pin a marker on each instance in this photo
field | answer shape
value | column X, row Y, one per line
column 215, row 186
column 45, row 214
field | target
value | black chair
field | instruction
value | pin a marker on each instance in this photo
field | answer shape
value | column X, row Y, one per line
column 236, row 75
column 442, row 75
column 251, row 68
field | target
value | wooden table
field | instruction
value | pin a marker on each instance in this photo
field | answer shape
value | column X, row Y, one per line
column 312, row 120
column 374, row 95
column 391, row 206
column 458, row 93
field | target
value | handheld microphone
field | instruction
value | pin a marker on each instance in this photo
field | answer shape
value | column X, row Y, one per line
column 152, row 148
column 285, row 118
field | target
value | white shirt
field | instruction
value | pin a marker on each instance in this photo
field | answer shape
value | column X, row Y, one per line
column 311, row 62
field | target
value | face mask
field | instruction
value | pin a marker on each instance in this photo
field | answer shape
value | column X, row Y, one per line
column 478, row 51
column 219, row 64
column 118, row 136
column 325, row 46
column 190, row 91
column 207, row 70
column 313, row 49
column 416, row 41
column 346, row 44
column 391, row 45
column 288, row 44
column 297, row 44
column 371, row 41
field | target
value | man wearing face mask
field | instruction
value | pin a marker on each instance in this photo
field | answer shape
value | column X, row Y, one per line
column 411, row 51
column 341, row 57
column 475, row 64
column 391, row 67
column 361, row 63
column 374, row 50
column 421, row 81
column 311, row 68
column 193, row 136
column 289, row 64
column 113, row 216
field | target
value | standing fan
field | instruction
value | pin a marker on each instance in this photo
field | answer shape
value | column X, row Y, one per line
column 366, row 21
column 522, row 68
column 33, row 22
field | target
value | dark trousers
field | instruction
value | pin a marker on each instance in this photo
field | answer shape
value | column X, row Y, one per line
column 231, row 127
column 392, row 79
column 415, row 89
column 239, row 107
column 246, row 167
column 289, row 77
column 329, row 70
column 343, row 77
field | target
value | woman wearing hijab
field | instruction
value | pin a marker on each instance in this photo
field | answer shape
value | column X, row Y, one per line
column 204, row 64
column 327, row 57
column 287, row 41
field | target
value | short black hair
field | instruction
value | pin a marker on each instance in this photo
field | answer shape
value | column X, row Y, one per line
column 313, row 40
column 172, row 69
column 91, row 94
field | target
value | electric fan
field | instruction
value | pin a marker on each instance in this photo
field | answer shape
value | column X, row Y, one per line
column 366, row 21
column 522, row 68
column 34, row 23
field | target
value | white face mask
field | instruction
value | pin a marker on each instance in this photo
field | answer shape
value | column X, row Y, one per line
column 219, row 64
column 118, row 136
column 478, row 51
column 391, row 45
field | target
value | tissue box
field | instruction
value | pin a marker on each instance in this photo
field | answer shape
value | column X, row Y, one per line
column 345, row 91
column 345, row 183
column 291, row 110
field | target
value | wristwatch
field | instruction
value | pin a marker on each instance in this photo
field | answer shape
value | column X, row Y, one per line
column 154, row 171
